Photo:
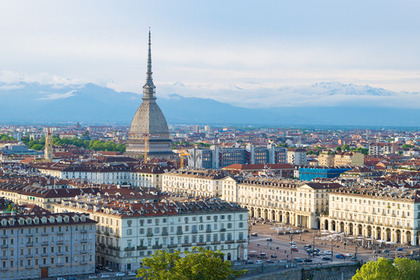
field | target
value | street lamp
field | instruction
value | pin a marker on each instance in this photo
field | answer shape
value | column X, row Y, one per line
column 332, row 250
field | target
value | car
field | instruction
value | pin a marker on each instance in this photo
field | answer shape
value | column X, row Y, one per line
column 307, row 246
column 259, row 262
column 236, row 263
column 105, row 276
column 292, row 243
column 72, row 278
column 354, row 259
column 269, row 239
column 399, row 249
column 254, row 234
column 307, row 260
column 327, row 252
column 326, row 258
column 269, row 261
column 294, row 246
column 274, row 256
column 92, row 276
column 295, row 249
column 339, row 256
column 131, row 273
column 386, row 251
column 109, row 269
column 119, row 274
column 61, row 278
column 347, row 255
column 249, row 262
column 298, row 260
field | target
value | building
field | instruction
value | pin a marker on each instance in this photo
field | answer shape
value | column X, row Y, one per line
column 326, row 158
column 377, row 149
column 48, row 151
column 296, row 157
column 290, row 202
column 310, row 173
column 46, row 245
column 376, row 212
column 128, row 232
column 218, row 157
column 196, row 182
column 139, row 175
column 149, row 129
column 349, row 159
column 278, row 169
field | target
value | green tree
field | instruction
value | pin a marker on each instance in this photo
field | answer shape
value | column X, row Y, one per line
column 345, row 147
column 407, row 269
column 199, row 264
column 401, row 269
column 338, row 149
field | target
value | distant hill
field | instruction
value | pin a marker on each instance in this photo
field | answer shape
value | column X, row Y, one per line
column 90, row 103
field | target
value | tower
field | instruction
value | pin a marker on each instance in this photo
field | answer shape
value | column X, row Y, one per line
column 48, row 151
column 149, row 132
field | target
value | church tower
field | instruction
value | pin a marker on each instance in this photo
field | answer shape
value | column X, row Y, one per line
column 149, row 133
column 48, row 151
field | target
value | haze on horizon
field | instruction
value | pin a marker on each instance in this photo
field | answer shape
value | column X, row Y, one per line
column 211, row 49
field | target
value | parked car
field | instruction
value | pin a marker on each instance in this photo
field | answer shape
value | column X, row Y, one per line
column 92, row 276
column 274, row 256
column 131, row 273
column 254, row 234
column 295, row 249
column 72, row 278
column 259, row 262
column 348, row 255
column 269, row 239
column 269, row 261
column 105, row 276
column 307, row 246
column 386, row 251
column 399, row 249
column 327, row 252
column 326, row 258
column 119, row 274
column 249, row 262
column 298, row 260
column 307, row 260
column 236, row 263
column 338, row 256
column 292, row 243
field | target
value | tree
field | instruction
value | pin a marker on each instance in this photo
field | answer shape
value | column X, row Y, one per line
column 199, row 264
column 401, row 269
column 376, row 270
column 338, row 148
column 345, row 147
column 407, row 269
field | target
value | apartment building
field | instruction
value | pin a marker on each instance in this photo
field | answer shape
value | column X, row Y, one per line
column 296, row 157
column 377, row 149
column 349, row 159
column 139, row 175
column 128, row 232
column 46, row 245
column 291, row 202
column 377, row 212
column 196, row 182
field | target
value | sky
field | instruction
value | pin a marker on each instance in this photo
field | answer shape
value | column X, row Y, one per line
column 226, row 50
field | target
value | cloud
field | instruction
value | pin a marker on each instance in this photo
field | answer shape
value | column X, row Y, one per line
column 55, row 96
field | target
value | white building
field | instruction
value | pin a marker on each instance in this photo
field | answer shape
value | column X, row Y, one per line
column 128, row 232
column 196, row 182
column 296, row 157
column 387, row 214
column 46, row 245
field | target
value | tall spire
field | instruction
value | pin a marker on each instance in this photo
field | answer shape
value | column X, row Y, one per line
column 149, row 87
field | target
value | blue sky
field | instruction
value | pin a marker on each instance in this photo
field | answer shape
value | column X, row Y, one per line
column 205, row 48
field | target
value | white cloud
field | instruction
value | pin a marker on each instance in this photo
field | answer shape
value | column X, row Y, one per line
column 55, row 96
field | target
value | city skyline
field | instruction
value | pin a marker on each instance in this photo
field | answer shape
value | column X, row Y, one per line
column 222, row 51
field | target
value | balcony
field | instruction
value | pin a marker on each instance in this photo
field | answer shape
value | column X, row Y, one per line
column 59, row 264
column 201, row 243
column 60, row 242
column 4, row 246
column 208, row 230
column 229, row 241
column 83, row 240
column 83, row 231
column 157, row 246
column 141, row 247
column 129, row 249
column 222, row 230
column 165, row 233
column 60, row 233
column 149, row 234
column 241, row 241
column 179, row 232
column 172, row 246
column 215, row 243
column 194, row 231
column 186, row 245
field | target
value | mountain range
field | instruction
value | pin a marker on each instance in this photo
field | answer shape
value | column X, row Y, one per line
column 89, row 103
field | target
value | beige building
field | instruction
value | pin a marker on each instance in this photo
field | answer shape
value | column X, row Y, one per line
column 386, row 214
column 290, row 202
column 326, row 159
column 128, row 232
column 349, row 159
column 196, row 182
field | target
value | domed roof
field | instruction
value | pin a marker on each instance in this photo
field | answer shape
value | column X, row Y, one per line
column 150, row 120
